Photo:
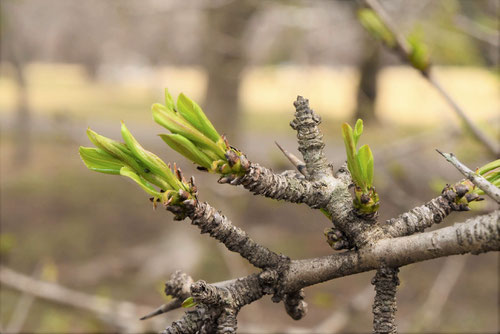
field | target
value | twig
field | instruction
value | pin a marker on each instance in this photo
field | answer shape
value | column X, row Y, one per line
column 477, row 31
column 478, row 180
column 219, row 227
column 310, row 138
column 386, row 282
column 492, row 146
column 405, row 51
column 22, row 309
column 430, row 310
column 173, row 305
column 120, row 313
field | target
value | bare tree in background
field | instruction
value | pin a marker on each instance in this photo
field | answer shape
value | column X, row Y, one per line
column 15, row 49
column 224, row 60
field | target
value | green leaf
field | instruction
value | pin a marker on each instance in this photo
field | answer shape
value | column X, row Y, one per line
column 169, row 101
column 193, row 113
column 151, row 161
column 185, row 147
column 492, row 177
column 188, row 302
column 116, row 149
column 128, row 172
column 100, row 161
column 176, row 124
column 376, row 27
column 365, row 158
column 489, row 166
column 350, row 148
column 358, row 130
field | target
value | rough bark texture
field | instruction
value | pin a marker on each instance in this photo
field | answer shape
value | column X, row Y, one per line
column 210, row 221
column 218, row 306
column 263, row 181
column 476, row 235
column 384, row 308
column 295, row 305
column 310, row 140
column 419, row 218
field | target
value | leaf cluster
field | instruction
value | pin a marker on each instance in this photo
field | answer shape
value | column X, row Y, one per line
column 193, row 136
column 361, row 165
column 130, row 159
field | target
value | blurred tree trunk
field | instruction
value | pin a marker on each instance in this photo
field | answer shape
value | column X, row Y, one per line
column 14, row 50
column 367, row 89
column 23, row 117
column 224, row 63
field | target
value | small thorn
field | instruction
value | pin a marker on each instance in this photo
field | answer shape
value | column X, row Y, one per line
column 158, row 311
column 301, row 167
column 224, row 179
column 235, row 181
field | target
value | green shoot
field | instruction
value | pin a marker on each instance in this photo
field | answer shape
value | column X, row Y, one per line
column 131, row 160
column 194, row 136
column 361, row 165
column 376, row 27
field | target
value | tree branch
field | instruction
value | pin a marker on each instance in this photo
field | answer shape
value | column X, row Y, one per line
column 386, row 282
column 119, row 313
column 419, row 218
column 310, row 140
column 404, row 50
column 476, row 235
column 219, row 227
column 483, row 184
column 263, row 181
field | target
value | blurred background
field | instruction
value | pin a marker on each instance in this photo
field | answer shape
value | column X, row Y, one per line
column 66, row 65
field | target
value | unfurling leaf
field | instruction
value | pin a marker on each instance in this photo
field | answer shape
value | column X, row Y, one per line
column 116, row 149
column 185, row 147
column 358, row 130
column 365, row 158
column 193, row 113
column 150, row 160
column 360, row 165
column 128, row 172
column 100, row 161
column 350, row 148
column 169, row 101
column 489, row 166
column 176, row 123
